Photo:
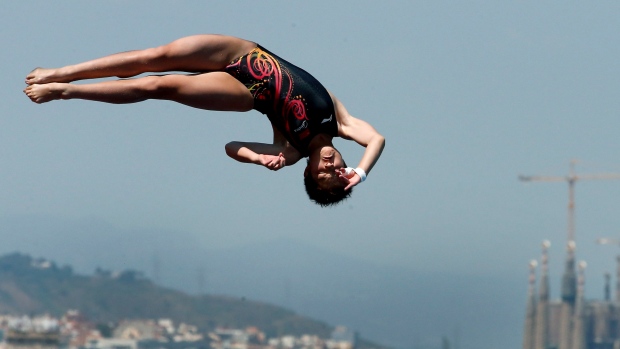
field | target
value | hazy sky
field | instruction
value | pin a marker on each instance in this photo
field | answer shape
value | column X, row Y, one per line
column 468, row 95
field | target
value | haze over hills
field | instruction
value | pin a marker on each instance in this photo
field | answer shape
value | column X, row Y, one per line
column 394, row 306
column 38, row 286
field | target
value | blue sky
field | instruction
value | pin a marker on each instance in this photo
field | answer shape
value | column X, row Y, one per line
column 468, row 95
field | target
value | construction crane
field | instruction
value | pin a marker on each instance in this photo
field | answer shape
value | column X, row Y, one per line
column 571, row 179
column 608, row 241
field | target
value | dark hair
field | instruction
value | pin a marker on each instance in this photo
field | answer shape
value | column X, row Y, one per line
column 325, row 197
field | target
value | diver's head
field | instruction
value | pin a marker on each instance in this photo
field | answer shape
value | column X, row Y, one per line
column 322, row 180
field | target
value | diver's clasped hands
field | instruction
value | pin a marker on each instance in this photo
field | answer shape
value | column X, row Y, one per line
column 272, row 162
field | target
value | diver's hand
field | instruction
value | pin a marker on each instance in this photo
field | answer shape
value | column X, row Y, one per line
column 349, row 177
column 272, row 162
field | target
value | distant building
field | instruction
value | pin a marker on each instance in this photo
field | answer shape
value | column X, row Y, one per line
column 112, row 343
column 342, row 338
column 161, row 334
column 292, row 342
column 23, row 332
column 138, row 330
column 226, row 338
column 571, row 322
column 76, row 330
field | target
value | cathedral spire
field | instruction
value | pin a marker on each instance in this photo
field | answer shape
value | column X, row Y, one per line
column 543, row 292
column 569, row 294
column 541, row 336
column 579, row 321
column 569, row 279
column 618, row 279
column 607, row 287
column 530, row 312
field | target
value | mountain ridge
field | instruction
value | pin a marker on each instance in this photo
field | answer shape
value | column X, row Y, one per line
column 29, row 285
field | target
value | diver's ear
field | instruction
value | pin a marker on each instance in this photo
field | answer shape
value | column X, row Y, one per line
column 307, row 171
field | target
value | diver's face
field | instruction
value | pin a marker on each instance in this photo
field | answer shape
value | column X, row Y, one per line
column 323, row 165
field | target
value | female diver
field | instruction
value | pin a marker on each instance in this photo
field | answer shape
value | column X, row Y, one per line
column 232, row 74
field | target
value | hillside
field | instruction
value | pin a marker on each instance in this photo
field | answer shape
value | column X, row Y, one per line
column 395, row 306
column 31, row 286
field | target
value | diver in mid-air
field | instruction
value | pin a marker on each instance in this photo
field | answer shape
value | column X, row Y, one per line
column 232, row 74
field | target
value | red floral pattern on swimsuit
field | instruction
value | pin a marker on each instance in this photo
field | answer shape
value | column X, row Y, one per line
column 291, row 98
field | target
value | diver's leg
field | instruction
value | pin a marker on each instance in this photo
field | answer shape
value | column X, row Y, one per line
column 212, row 91
column 198, row 53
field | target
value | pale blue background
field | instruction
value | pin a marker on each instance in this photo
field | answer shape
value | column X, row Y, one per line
column 468, row 95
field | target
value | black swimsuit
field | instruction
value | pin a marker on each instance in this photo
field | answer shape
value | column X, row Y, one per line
column 294, row 101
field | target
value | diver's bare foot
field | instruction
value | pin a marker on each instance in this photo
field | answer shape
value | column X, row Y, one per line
column 44, row 76
column 45, row 92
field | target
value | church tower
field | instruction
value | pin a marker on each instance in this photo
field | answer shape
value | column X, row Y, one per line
column 579, row 321
column 530, row 311
column 569, row 294
column 618, row 279
column 541, row 334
